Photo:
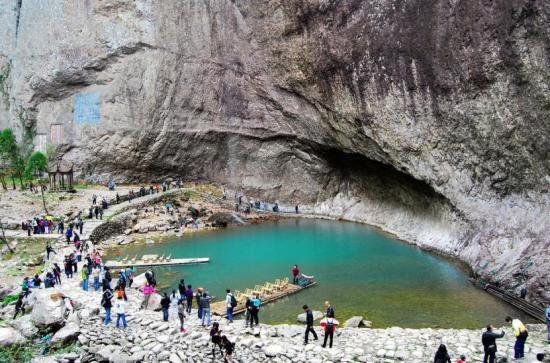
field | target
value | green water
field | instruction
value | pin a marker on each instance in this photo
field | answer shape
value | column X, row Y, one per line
column 360, row 270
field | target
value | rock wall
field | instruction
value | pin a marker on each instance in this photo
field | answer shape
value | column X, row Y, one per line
column 428, row 118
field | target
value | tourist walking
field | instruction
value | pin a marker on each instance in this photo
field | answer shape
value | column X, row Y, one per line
column 57, row 273
column 84, row 274
column 309, row 325
column 181, row 316
column 329, row 325
column 205, row 305
column 147, row 291
column 230, row 303
column 19, row 306
column 107, row 305
column 521, row 334
column 295, row 273
column 547, row 311
column 330, row 309
column 488, row 339
column 49, row 250
column 441, row 356
column 120, row 308
column 256, row 304
column 189, row 299
column 165, row 305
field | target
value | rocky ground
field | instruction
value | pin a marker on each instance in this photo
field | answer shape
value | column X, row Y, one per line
column 149, row 339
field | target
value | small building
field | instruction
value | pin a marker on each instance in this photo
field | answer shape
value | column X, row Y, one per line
column 60, row 174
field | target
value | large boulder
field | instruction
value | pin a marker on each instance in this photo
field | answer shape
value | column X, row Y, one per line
column 273, row 350
column 154, row 302
column 353, row 322
column 25, row 326
column 316, row 316
column 222, row 219
column 66, row 335
column 48, row 307
column 139, row 281
column 10, row 336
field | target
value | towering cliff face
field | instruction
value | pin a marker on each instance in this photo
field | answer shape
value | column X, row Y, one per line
column 429, row 118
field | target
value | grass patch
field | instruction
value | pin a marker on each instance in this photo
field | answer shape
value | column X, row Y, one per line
column 9, row 299
column 18, row 353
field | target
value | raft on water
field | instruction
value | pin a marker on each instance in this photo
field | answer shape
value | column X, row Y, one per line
column 268, row 292
column 155, row 260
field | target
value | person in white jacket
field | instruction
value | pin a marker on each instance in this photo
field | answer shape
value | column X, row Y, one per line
column 120, row 309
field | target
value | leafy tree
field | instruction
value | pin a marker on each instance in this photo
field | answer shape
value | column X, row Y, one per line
column 9, row 151
column 36, row 164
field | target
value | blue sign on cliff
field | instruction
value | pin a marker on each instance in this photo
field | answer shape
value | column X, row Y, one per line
column 86, row 108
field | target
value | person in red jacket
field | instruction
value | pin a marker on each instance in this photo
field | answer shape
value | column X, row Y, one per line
column 329, row 324
column 295, row 273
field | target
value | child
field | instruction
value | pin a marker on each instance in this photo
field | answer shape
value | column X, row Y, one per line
column 462, row 359
column 215, row 335
column 181, row 315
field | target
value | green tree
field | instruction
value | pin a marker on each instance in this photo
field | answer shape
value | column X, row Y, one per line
column 9, row 151
column 36, row 164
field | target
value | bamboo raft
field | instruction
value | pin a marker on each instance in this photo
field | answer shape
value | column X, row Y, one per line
column 517, row 302
column 154, row 260
column 268, row 292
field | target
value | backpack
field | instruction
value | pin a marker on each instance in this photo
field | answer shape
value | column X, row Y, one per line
column 233, row 301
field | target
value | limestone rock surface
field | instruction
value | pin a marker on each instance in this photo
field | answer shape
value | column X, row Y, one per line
column 435, row 130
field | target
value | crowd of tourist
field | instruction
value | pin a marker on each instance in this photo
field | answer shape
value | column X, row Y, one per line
column 180, row 303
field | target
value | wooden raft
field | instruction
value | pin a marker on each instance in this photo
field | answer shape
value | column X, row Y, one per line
column 154, row 260
column 268, row 292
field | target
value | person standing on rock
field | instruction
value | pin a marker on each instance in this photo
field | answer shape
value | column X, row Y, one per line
column 330, row 309
column 68, row 266
column 19, row 306
column 181, row 288
column 165, row 305
column 95, row 273
column 120, row 308
column 57, row 273
column 205, row 305
column 198, row 297
column 69, row 234
column 49, row 250
column 309, row 324
column 174, row 301
column 329, row 325
column 521, row 334
column 107, row 305
column 248, row 314
column 94, row 199
column 256, row 304
column 230, row 303
column 488, row 339
column 85, row 276
column 106, row 279
column 189, row 299
column 181, row 316
column 441, row 356
column 80, row 225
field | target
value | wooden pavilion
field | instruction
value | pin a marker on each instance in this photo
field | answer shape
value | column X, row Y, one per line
column 60, row 174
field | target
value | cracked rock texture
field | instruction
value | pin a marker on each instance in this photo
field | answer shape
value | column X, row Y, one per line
column 429, row 118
